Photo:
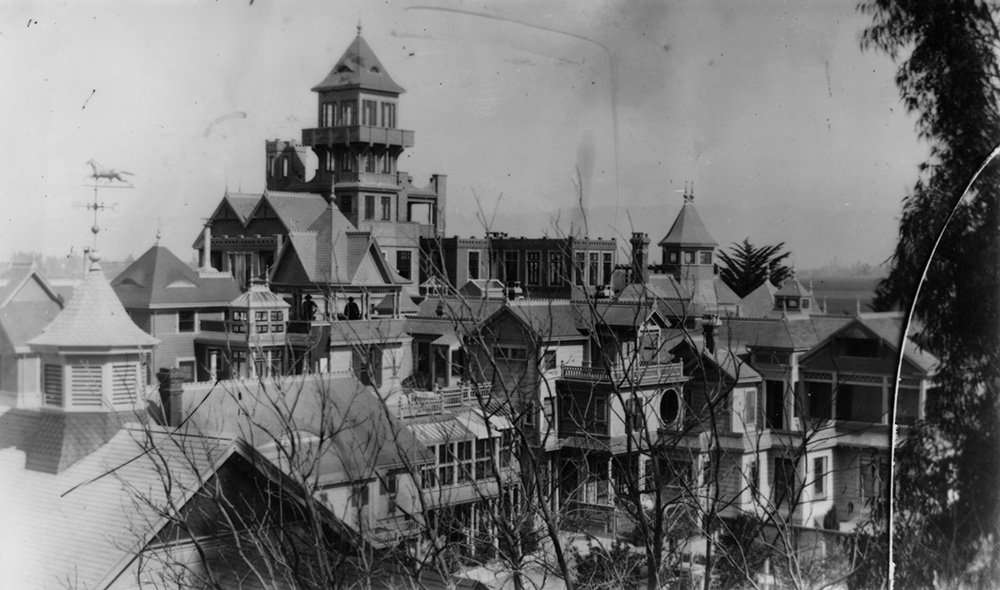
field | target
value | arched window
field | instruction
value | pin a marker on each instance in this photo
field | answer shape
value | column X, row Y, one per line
column 670, row 406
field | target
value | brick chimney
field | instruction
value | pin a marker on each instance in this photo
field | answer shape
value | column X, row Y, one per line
column 171, row 394
column 640, row 258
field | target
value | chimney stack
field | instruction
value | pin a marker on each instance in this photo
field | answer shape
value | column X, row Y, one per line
column 640, row 258
column 708, row 328
column 206, row 247
column 171, row 394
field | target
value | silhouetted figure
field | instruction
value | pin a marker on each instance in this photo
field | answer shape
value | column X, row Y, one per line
column 352, row 311
column 308, row 309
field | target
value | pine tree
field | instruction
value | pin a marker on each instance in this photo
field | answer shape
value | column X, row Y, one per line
column 946, row 506
column 745, row 267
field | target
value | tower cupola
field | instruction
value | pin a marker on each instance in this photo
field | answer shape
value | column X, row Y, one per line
column 688, row 249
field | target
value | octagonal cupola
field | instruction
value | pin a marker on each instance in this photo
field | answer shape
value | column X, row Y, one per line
column 688, row 248
column 93, row 357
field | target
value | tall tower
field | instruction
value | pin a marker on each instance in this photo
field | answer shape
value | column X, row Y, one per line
column 688, row 248
column 356, row 141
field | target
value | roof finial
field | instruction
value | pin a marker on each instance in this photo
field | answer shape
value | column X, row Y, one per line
column 688, row 191
column 159, row 228
column 359, row 25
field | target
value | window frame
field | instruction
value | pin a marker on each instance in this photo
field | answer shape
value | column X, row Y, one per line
column 181, row 322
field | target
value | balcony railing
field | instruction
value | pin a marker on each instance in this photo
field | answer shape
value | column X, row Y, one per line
column 637, row 373
column 357, row 134
column 436, row 402
column 379, row 178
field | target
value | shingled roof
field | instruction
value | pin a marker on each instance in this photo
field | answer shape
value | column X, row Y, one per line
column 688, row 229
column 331, row 252
column 359, row 68
column 27, row 304
column 296, row 211
column 158, row 279
column 94, row 318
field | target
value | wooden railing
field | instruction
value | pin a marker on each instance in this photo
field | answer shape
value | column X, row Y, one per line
column 425, row 403
column 637, row 372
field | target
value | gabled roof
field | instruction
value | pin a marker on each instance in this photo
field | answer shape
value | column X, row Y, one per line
column 296, row 211
column 887, row 327
column 688, row 229
column 158, row 279
column 85, row 524
column 791, row 287
column 358, row 68
column 19, row 277
column 28, row 303
column 94, row 317
column 239, row 205
column 656, row 287
column 759, row 302
column 792, row 333
column 332, row 252
column 362, row 436
column 547, row 320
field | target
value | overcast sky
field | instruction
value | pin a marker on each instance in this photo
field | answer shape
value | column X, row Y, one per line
column 787, row 129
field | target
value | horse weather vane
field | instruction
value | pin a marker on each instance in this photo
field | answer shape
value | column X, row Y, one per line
column 108, row 176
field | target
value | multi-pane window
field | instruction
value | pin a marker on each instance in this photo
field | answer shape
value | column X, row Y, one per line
column 510, row 353
column 819, row 478
column 386, row 208
column 369, row 206
column 511, row 266
column 428, row 478
column 346, row 161
column 484, row 454
column 326, row 119
column 689, row 258
column 473, row 265
column 534, row 268
column 284, row 167
column 594, row 269
column 329, row 162
column 404, row 263
column 186, row 320
column 673, row 256
column 555, row 268
column 369, row 112
column 606, row 267
column 346, row 204
column 465, row 465
column 705, row 257
column 369, row 162
column 580, row 268
column 386, row 159
column 388, row 115
column 348, row 114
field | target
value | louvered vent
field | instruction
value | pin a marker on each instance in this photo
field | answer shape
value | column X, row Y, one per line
column 124, row 384
column 85, row 383
column 53, row 385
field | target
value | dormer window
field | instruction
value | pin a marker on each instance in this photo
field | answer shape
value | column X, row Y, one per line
column 673, row 257
column 705, row 257
column 689, row 258
column 375, row 70
column 343, row 69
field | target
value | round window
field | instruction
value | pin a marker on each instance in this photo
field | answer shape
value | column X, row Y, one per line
column 670, row 406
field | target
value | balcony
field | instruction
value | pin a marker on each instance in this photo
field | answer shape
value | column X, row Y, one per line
column 366, row 178
column 637, row 373
column 357, row 134
column 429, row 403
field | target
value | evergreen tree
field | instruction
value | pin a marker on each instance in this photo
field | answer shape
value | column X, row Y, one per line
column 745, row 267
column 946, row 504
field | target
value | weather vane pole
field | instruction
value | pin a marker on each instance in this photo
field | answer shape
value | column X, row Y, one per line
column 109, row 175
